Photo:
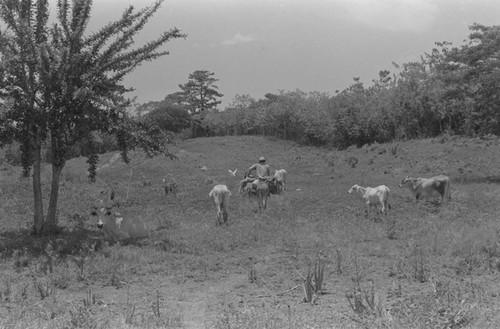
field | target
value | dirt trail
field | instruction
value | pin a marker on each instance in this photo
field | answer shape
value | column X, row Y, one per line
column 191, row 299
column 198, row 297
column 110, row 162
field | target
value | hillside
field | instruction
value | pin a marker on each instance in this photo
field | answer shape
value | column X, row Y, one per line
column 424, row 266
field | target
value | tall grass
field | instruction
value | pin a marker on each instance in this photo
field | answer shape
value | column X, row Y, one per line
column 409, row 269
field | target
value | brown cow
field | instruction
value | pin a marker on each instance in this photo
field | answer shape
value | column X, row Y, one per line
column 427, row 187
column 115, row 226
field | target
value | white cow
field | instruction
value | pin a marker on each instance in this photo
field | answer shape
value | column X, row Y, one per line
column 373, row 197
column 115, row 226
column 427, row 187
column 220, row 193
column 277, row 182
column 281, row 175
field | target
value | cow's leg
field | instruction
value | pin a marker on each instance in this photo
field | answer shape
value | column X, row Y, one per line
column 444, row 197
column 220, row 215
column 259, row 201
column 224, row 217
column 224, row 212
column 382, row 203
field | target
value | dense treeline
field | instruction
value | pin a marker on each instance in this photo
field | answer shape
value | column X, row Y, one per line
column 453, row 90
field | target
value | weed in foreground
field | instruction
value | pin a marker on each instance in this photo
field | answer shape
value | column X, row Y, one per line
column 419, row 264
column 370, row 306
column 44, row 286
column 156, row 305
column 89, row 299
column 5, row 293
column 252, row 272
column 338, row 260
column 456, row 303
column 156, row 320
column 313, row 282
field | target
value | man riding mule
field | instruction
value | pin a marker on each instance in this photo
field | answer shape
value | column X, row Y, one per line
column 259, row 183
column 257, row 172
column 260, row 169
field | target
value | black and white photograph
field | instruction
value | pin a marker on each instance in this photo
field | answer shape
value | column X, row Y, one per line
column 249, row 164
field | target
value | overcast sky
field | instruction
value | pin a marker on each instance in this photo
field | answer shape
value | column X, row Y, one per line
column 260, row 46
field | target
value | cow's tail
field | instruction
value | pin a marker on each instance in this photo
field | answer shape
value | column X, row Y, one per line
column 388, row 194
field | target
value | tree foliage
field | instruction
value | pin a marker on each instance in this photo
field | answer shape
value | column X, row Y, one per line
column 452, row 90
column 200, row 92
column 471, row 74
column 168, row 116
column 63, row 83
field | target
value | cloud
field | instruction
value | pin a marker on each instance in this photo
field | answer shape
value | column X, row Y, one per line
column 394, row 15
column 239, row 39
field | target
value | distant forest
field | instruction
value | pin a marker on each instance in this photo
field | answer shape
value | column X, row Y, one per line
column 451, row 90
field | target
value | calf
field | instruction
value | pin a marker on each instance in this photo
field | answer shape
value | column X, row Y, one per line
column 427, row 187
column 373, row 196
column 281, row 175
column 170, row 186
column 277, row 182
column 220, row 193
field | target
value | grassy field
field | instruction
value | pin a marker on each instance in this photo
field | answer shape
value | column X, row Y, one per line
column 424, row 266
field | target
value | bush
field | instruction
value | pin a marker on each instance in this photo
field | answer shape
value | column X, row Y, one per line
column 13, row 155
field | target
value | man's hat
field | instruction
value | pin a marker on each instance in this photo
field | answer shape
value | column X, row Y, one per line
column 262, row 159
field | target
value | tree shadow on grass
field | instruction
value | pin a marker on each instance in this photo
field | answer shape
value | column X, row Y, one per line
column 64, row 243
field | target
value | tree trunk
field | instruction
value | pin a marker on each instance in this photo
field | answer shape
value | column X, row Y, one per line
column 37, row 187
column 51, row 221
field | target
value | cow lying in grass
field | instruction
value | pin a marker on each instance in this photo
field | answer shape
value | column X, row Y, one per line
column 373, row 196
column 220, row 193
column 428, row 187
column 115, row 226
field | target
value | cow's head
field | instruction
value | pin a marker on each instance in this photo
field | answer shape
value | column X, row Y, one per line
column 280, row 174
column 406, row 181
column 100, row 211
column 353, row 188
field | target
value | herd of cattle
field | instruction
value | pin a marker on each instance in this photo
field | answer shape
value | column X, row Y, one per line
column 117, row 227
column 420, row 188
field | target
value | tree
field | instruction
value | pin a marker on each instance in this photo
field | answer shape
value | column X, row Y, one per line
column 63, row 84
column 167, row 116
column 472, row 76
column 200, row 92
column 241, row 102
